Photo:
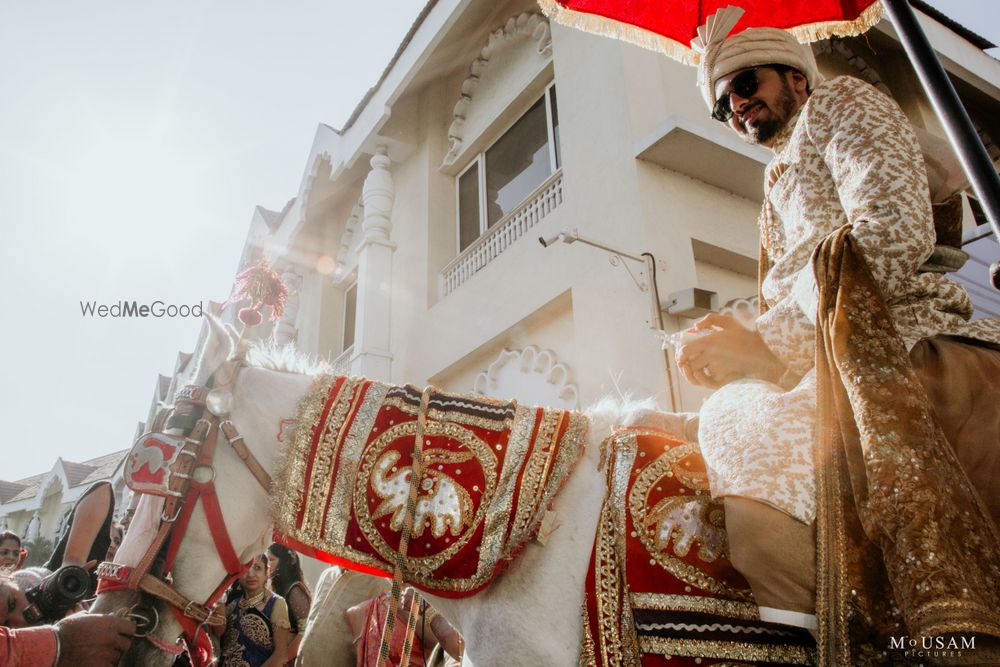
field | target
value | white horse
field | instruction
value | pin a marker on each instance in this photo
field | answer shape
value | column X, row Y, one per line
column 529, row 616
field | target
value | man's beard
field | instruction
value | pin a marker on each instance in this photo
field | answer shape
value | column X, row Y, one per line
column 766, row 129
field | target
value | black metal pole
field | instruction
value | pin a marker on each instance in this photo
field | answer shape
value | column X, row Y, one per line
column 957, row 124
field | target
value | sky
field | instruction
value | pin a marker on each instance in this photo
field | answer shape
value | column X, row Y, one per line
column 135, row 141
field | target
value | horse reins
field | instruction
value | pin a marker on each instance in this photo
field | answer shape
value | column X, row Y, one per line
column 192, row 478
column 416, row 473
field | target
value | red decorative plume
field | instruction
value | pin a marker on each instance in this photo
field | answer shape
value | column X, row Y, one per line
column 262, row 286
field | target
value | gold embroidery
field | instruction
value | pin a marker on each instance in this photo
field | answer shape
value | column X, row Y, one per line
column 792, row 655
column 322, row 475
column 420, row 569
column 903, row 538
column 611, row 606
column 501, row 514
column 533, row 479
column 339, row 513
column 713, row 545
column 255, row 629
column 518, row 442
column 291, row 477
column 672, row 602
column 617, row 642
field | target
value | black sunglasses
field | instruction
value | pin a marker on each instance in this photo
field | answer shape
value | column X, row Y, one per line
column 744, row 84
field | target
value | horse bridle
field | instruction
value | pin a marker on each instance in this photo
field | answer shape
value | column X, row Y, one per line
column 192, row 479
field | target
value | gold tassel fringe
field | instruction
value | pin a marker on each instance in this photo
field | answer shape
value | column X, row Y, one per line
column 814, row 32
column 599, row 25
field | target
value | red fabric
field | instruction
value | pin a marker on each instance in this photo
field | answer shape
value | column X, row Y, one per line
column 490, row 468
column 313, row 552
column 377, row 610
column 679, row 19
column 28, row 647
column 671, row 595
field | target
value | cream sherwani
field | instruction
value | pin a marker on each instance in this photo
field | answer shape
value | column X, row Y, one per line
column 848, row 156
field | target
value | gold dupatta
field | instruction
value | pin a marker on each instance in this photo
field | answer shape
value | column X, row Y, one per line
column 905, row 546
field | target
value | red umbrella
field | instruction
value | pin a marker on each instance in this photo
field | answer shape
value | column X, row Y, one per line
column 669, row 26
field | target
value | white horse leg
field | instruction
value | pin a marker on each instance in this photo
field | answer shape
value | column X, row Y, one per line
column 531, row 614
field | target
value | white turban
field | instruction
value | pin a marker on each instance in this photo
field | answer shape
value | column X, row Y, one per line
column 750, row 48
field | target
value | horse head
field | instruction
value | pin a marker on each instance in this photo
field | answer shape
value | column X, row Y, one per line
column 254, row 400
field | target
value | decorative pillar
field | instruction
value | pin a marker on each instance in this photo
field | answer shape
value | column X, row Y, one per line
column 372, row 357
column 285, row 332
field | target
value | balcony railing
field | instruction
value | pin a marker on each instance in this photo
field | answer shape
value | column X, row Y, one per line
column 503, row 234
column 342, row 364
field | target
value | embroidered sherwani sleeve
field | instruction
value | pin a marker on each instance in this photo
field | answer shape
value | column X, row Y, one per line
column 790, row 333
column 875, row 161
column 872, row 155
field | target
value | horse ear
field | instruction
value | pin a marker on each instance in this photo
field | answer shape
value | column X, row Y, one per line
column 218, row 346
column 234, row 334
column 221, row 332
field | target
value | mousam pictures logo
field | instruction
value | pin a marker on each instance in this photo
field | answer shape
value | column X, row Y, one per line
column 947, row 646
column 122, row 309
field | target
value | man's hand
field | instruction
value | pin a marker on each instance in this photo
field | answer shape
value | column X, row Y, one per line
column 93, row 640
column 729, row 353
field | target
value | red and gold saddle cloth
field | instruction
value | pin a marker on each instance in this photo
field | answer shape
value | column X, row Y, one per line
column 490, row 471
column 660, row 587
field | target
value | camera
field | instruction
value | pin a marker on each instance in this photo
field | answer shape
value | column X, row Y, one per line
column 50, row 599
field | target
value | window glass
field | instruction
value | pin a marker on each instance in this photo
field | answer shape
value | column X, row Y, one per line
column 517, row 163
column 350, row 309
column 468, row 207
column 555, row 126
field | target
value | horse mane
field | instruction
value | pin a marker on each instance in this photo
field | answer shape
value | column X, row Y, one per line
column 284, row 359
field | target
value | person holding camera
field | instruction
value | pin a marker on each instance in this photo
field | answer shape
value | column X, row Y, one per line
column 87, row 534
column 80, row 640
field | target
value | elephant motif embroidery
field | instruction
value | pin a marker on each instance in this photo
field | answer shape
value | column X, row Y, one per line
column 442, row 504
column 687, row 521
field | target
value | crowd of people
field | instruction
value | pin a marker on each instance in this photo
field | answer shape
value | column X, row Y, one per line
column 43, row 619
column 266, row 608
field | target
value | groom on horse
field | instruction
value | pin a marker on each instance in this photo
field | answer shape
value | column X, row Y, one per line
column 818, row 422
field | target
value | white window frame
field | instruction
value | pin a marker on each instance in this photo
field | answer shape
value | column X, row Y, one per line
column 480, row 160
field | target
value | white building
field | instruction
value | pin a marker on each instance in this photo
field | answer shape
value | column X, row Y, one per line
column 411, row 246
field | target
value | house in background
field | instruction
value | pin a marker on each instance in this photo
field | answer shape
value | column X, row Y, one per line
column 411, row 246
column 38, row 506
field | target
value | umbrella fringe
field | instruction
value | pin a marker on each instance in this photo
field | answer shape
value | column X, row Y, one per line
column 814, row 32
column 599, row 25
